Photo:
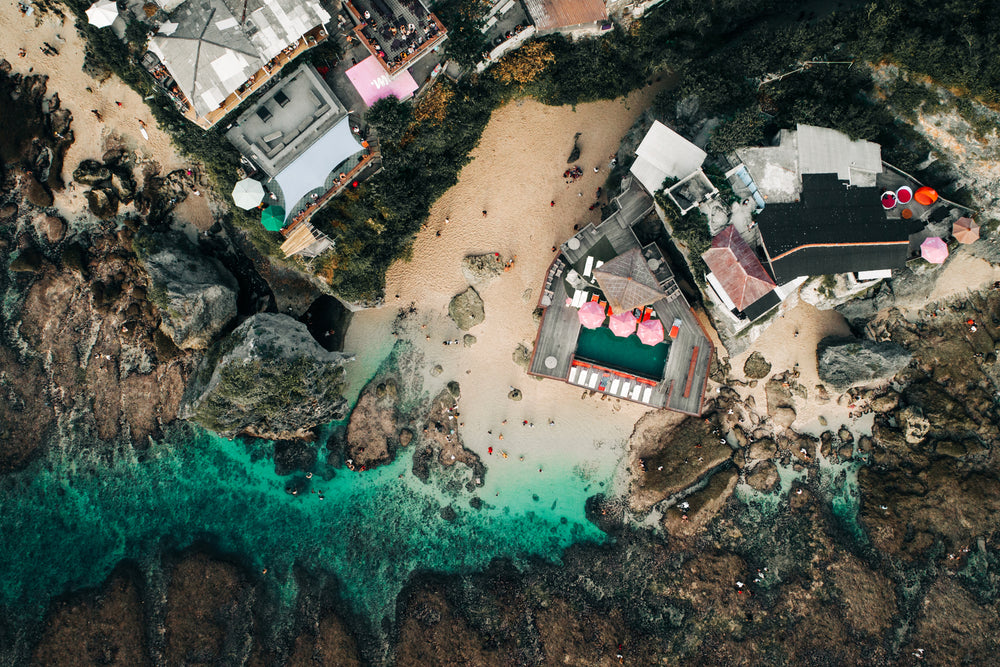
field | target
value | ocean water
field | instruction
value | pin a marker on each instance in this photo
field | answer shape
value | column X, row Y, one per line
column 69, row 519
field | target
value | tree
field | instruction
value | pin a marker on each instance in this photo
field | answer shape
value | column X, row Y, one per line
column 745, row 128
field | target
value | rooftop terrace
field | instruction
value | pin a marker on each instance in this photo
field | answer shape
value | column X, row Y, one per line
column 396, row 32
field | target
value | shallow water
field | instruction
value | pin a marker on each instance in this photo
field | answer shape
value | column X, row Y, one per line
column 67, row 521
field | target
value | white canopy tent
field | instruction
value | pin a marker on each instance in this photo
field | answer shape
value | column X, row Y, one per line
column 309, row 170
column 102, row 13
column 168, row 28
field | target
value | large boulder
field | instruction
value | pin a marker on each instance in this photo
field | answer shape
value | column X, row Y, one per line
column 756, row 366
column 196, row 294
column 481, row 269
column 272, row 380
column 466, row 309
column 846, row 362
column 91, row 172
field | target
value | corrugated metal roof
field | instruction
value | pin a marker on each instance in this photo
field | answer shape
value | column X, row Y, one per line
column 668, row 152
column 737, row 268
column 826, row 151
column 554, row 14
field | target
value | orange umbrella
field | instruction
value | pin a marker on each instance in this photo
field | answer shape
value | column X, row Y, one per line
column 906, row 214
column 925, row 195
column 965, row 230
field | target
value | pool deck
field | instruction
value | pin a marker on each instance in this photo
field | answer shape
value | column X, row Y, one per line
column 686, row 372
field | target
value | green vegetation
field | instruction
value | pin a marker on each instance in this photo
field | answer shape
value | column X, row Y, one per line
column 268, row 395
column 690, row 229
column 745, row 128
column 721, row 183
column 464, row 20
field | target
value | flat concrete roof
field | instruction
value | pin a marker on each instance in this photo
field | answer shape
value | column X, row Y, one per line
column 274, row 135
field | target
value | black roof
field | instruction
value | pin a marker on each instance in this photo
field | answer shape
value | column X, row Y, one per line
column 822, row 260
column 762, row 305
column 828, row 212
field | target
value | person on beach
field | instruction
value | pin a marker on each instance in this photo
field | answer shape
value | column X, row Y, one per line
column 552, row 203
column 97, row 115
column 484, row 213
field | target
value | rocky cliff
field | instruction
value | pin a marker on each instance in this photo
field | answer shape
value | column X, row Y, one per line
column 269, row 378
column 196, row 294
column 847, row 362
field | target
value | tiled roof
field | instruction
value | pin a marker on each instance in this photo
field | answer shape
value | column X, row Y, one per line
column 627, row 282
column 737, row 268
column 554, row 14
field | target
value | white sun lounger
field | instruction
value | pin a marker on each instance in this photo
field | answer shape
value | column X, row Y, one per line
column 594, row 378
column 614, row 386
column 587, row 268
column 646, row 394
column 599, row 264
column 572, row 373
column 625, row 388
column 635, row 392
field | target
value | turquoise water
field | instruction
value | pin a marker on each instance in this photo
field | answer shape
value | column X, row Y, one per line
column 628, row 354
column 69, row 519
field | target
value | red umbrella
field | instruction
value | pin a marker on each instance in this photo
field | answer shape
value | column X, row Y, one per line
column 622, row 324
column 651, row 332
column 925, row 195
column 888, row 200
column 591, row 315
column 904, row 194
column 934, row 250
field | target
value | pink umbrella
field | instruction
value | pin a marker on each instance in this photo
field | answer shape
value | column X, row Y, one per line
column 651, row 332
column 622, row 324
column 934, row 250
column 591, row 315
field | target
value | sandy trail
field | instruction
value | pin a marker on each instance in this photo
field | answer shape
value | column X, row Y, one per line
column 515, row 173
column 80, row 94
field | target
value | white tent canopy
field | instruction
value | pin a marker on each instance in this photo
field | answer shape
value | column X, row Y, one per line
column 102, row 13
column 663, row 153
column 309, row 170
column 168, row 28
column 248, row 193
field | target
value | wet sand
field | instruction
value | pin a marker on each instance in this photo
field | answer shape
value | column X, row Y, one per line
column 79, row 93
column 516, row 172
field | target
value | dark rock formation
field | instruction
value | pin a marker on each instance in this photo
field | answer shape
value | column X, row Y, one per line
column 271, row 380
column 482, row 269
column 195, row 293
column 756, row 366
column 847, row 362
column 466, row 309
column 373, row 432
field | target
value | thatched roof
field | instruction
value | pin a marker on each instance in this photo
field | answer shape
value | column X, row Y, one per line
column 627, row 282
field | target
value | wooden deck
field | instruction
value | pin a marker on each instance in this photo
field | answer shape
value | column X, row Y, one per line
column 685, row 376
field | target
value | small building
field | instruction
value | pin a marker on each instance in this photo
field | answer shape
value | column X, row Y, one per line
column 219, row 51
column 627, row 282
column 666, row 157
column 737, row 277
column 299, row 134
column 567, row 15
column 833, row 228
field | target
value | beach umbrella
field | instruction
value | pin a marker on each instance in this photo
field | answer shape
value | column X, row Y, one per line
column 888, row 200
column 102, row 13
column 651, row 332
column 273, row 218
column 591, row 315
column 934, row 250
column 904, row 194
column 965, row 230
column 622, row 324
column 925, row 195
column 248, row 193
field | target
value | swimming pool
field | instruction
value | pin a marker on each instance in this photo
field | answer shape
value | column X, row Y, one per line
column 630, row 355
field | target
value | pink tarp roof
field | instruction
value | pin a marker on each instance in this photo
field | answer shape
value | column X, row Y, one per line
column 622, row 324
column 372, row 82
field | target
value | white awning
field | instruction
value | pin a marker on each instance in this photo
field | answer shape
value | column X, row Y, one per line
column 309, row 170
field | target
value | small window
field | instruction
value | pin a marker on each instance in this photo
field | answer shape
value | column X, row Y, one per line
column 263, row 114
column 281, row 98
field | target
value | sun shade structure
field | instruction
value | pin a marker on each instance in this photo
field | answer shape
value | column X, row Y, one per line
column 248, row 193
column 888, row 200
column 736, row 267
column 934, row 250
column 309, row 170
column 591, row 315
column 622, row 324
column 627, row 282
column 102, row 14
column 372, row 82
column 904, row 194
column 650, row 332
column 965, row 230
column 273, row 218
column 925, row 195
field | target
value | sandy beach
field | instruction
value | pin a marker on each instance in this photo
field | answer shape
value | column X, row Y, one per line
column 516, row 172
column 80, row 94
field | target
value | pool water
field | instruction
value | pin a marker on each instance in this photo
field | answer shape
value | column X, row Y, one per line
column 630, row 354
